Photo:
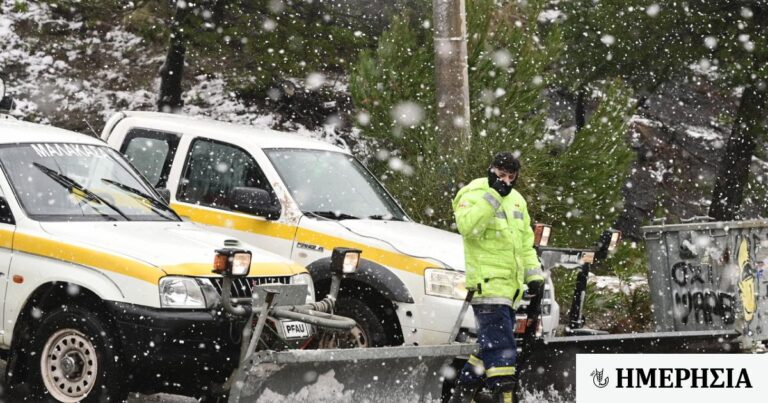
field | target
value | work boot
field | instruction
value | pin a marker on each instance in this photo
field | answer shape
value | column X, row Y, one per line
column 463, row 393
column 505, row 392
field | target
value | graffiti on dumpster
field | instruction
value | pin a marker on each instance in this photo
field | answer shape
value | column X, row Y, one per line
column 711, row 290
column 746, row 280
column 695, row 299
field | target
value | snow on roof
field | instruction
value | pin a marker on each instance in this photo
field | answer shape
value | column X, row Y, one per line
column 15, row 131
column 233, row 133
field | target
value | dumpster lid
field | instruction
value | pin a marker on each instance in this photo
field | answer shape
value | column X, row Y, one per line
column 722, row 225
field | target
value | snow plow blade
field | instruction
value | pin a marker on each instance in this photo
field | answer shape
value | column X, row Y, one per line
column 402, row 374
column 551, row 366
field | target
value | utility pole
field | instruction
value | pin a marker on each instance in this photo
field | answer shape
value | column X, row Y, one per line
column 451, row 74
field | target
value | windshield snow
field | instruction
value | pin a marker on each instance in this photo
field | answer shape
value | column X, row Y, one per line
column 332, row 183
column 78, row 182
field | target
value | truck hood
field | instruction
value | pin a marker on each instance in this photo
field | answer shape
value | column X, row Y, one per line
column 408, row 237
column 175, row 247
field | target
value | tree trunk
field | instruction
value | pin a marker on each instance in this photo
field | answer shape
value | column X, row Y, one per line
column 452, row 83
column 172, row 71
column 734, row 168
column 580, row 112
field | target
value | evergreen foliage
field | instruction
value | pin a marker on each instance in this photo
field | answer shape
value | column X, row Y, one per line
column 577, row 190
column 648, row 43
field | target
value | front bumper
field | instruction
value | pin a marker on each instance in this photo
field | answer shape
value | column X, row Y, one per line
column 431, row 321
column 177, row 350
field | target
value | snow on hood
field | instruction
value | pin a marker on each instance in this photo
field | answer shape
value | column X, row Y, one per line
column 408, row 237
column 155, row 243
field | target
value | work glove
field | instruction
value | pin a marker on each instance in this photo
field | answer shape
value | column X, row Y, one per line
column 536, row 292
column 497, row 184
column 536, row 288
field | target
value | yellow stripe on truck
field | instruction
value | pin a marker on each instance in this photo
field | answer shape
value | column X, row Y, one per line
column 6, row 239
column 83, row 256
column 288, row 232
column 238, row 222
column 86, row 257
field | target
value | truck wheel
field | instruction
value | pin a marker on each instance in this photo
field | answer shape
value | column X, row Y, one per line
column 76, row 359
column 369, row 331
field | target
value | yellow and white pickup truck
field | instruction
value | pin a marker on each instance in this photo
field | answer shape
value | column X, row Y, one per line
column 104, row 288
column 299, row 198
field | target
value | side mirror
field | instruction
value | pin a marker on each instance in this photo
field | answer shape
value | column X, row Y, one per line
column 254, row 201
column 165, row 194
column 6, row 104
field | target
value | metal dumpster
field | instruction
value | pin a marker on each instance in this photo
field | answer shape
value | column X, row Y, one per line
column 710, row 276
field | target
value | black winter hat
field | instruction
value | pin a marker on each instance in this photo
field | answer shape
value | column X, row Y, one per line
column 506, row 161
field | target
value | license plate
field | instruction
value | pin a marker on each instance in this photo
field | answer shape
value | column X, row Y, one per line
column 295, row 330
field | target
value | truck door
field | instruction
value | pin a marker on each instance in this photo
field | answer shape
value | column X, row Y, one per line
column 212, row 169
column 7, row 229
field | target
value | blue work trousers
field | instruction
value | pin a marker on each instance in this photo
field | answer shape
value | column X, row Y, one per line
column 495, row 362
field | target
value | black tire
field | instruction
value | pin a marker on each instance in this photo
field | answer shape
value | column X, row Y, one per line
column 67, row 341
column 369, row 332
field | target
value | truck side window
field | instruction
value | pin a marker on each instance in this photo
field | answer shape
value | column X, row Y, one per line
column 6, row 217
column 213, row 169
column 151, row 152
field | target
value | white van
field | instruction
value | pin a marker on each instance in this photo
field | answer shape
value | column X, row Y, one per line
column 299, row 198
column 105, row 290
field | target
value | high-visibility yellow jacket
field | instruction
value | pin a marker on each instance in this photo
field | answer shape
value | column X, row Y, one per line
column 498, row 242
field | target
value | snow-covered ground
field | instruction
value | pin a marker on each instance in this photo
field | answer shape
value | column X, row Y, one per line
column 614, row 284
column 88, row 76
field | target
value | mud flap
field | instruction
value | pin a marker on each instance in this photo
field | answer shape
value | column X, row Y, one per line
column 403, row 374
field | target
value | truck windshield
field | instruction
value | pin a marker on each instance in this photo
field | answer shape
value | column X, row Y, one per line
column 78, row 182
column 333, row 185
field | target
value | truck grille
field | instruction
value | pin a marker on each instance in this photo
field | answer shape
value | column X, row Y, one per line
column 243, row 287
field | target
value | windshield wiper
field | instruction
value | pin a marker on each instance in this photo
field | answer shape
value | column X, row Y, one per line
column 157, row 204
column 388, row 217
column 78, row 190
column 332, row 215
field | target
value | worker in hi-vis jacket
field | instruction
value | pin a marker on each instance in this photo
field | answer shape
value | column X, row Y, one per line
column 493, row 220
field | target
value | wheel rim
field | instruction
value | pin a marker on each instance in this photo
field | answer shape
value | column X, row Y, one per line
column 68, row 365
column 355, row 338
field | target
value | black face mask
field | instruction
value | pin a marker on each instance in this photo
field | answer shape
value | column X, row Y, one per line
column 497, row 184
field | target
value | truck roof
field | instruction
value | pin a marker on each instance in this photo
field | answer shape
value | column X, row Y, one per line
column 15, row 131
column 217, row 130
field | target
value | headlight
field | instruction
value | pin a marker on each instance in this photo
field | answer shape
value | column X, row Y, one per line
column 181, row 292
column 305, row 278
column 445, row 283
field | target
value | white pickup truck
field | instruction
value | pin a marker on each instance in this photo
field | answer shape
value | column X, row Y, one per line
column 299, row 198
column 103, row 288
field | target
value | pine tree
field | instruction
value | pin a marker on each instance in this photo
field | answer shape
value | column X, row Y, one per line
column 649, row 43
column 509, row 57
